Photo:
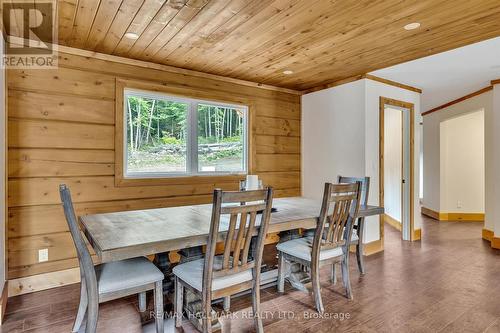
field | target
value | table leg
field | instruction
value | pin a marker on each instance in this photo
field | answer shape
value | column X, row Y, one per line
column 162, row 261
column 297, row 274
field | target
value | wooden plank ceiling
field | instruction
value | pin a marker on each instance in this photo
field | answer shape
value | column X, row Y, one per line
column 321, row 41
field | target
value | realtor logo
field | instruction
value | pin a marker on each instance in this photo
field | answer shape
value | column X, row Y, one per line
column 31, row 33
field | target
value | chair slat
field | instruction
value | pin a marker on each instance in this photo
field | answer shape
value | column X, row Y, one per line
column 239, row 239
column 248, row 238
column 242, row 209
column 229, row 240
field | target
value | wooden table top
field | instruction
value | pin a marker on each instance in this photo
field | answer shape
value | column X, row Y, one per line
column 128, row 234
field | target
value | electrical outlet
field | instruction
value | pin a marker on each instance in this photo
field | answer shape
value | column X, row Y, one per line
column 43, row 255
column 459, row 204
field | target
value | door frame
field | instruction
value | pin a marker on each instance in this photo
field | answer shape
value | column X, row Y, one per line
column 384, row 101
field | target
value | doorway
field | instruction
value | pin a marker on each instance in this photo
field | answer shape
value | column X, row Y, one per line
column 396, row 166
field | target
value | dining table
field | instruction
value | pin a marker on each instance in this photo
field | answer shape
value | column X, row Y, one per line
column 129, row 234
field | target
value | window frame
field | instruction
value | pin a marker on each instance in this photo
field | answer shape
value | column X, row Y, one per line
column 124, row 178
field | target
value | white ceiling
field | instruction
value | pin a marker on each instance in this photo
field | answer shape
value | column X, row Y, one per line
column 449, row 75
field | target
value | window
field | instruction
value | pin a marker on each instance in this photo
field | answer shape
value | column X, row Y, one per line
column 169, row 136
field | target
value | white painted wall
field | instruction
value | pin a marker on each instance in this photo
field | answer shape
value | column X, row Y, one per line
column 374, row 90
column 393, row 136
column 332, row 136
column 492, row 139
column 431, row 137
column 462, row 164
column 340, row 135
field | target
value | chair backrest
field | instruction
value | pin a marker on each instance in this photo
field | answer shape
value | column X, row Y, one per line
column 365, row 186
column 335, row 225
column 86, row 265
column 242, row 208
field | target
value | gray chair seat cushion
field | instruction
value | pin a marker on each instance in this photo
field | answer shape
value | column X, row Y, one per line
column 192, row 273
column 125, row 274
column 302, row 247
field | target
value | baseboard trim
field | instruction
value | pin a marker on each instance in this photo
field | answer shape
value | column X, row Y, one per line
column 430, row 213
column 487, row 234
column 417, row 235
column 43, row 281
column 453, row 217
column 495, row 243
column 459, row 217
column 373, row 247
column 3, row 301
column 392, row 222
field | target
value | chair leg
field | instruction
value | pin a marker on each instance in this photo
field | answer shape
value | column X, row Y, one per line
column 281, row 273
column 334, row 273
column 206, row 322
column 259, row 327
column 158, row 294
column 345, row 276
column 142, row 302
column 316, row 288
column 179, row 302
column 227, row 303
column 359, row 257
column 82, row 307
column 92, row 313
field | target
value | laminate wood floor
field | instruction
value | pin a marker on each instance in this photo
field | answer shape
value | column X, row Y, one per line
column 448, row 282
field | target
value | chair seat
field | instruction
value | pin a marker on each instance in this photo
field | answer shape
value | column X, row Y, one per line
column 126, row 274
column 192, row 273
column 302, row 247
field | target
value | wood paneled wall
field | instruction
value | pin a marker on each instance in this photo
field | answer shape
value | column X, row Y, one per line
column 61, row 130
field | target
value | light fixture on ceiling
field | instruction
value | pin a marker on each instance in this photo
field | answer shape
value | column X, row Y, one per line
column 412, row 26
column 287, row 72
column 131, row 35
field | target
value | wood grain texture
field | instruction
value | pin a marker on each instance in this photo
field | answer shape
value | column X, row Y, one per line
column 257, row 40
column 147, row 231
column 443, row 298
column 62, row 130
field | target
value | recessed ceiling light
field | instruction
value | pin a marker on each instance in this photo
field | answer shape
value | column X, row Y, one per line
column 412, row 26
column 287, row 72
column 131, row 35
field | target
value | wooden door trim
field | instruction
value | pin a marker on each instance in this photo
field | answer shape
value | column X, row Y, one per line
column 383, row 101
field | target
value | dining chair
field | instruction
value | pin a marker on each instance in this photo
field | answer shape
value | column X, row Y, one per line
column 237, row 214
column 330, row 243
column 359, row 226
column 109, row 281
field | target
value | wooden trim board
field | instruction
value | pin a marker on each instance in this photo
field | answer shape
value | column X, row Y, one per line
column 3, row 301
column 453, row 217
column 373, row 247
column 43, row 281
column 487, row 234
column 458, row 100
column 360, row 77
column 495, row 243
column 392, row 222
column 417, row 234
column 430, row 213
column 383, row 101
column 466, row 217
